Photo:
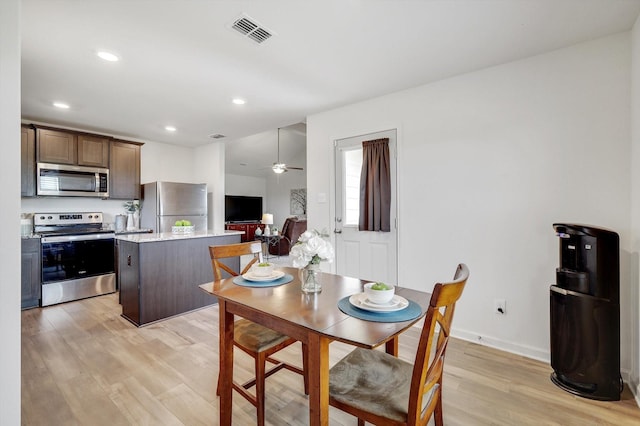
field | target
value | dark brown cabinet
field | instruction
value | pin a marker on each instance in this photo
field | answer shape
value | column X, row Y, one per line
column 28, row 162
column 67, row 147
column 124, row 170
column 155, row 283
column 93, row 151
column 56, row 146
column 248, row 228
column 59, row 146
column 31, row 288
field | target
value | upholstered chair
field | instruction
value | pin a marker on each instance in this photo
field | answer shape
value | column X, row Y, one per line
column 291, row 231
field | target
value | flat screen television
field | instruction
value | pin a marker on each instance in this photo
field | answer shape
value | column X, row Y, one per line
column 242, row 208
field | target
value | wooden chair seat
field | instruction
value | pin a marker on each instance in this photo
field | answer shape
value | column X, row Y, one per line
column 384, row 390
column 253, row 337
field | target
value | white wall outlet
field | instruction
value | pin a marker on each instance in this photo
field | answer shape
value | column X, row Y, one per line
column 500, row 306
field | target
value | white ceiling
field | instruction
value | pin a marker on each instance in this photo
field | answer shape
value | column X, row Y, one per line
column 255, row 154
column 181, row 64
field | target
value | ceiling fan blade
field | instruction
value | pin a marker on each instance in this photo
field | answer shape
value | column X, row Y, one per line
column 294, row 168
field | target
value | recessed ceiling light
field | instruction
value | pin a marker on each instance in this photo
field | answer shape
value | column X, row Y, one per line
column 107, row 56
column 61, row 105
column 238, row 101
column 170, row 128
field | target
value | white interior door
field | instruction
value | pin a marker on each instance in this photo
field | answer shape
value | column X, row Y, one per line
column 362, row 254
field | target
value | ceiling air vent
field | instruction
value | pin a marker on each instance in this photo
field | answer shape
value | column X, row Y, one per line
column 250, row 28
column 216, row 136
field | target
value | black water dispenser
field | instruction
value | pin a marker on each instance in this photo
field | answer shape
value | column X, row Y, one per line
column 585, row 313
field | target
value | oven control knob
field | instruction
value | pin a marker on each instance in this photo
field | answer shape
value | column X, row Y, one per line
column 49, row 217
column 41, row 217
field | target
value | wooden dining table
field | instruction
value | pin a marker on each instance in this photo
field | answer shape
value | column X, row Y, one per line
column 314, row 319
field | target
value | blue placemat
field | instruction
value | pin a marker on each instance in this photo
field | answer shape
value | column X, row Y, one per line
column 246, row 283
column 410, row 312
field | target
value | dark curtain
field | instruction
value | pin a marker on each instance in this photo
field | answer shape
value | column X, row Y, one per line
column 375, row 186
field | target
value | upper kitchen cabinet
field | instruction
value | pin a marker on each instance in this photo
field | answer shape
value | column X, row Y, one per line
column 41, row 144
column 56, row 146
column 124, row 170
column 67, row 147
column 93, row 151
column 28, row 162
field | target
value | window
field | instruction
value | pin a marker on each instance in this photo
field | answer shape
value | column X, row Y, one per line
column 352, row 169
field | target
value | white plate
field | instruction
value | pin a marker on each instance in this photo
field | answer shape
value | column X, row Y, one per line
column 360, row 300
column 249, row 276
column 370, row 303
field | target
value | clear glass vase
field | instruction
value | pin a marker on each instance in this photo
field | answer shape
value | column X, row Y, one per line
column 311, row 279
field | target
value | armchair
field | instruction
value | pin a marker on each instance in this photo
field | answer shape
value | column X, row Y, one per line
column 291, row 231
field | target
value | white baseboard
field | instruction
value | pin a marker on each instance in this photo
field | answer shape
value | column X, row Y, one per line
column 503, row 345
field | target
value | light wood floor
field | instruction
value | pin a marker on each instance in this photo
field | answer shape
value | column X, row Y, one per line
column 82, row 364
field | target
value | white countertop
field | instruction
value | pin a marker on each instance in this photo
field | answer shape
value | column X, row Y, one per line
column 134, row 231
column 168, row 236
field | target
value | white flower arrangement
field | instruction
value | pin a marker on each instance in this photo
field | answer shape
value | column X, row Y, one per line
column 311, row 248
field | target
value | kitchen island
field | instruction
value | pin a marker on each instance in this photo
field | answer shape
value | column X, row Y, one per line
column 159, row 274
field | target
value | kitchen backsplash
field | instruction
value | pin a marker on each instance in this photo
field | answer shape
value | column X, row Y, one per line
column 109, row 208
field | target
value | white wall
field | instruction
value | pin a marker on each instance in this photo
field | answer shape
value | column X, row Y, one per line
column 487, row 162
column 634, row 298
column 9, row 214
column 245, row 185
column 168, row 163
column 209, row 168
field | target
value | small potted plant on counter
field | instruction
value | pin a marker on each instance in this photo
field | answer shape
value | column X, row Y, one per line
column 133, row 214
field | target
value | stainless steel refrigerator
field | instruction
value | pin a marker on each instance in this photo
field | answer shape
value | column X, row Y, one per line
column 163, row 203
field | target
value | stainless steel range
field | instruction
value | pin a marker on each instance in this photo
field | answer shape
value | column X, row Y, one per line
column 77, row 256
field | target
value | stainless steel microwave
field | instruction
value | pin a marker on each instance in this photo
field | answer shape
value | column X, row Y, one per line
column 65, row 180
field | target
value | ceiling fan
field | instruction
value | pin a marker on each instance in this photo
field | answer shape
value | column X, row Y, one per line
column 279, row 167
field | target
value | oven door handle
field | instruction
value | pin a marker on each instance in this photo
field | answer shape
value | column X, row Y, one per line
column 84, row 237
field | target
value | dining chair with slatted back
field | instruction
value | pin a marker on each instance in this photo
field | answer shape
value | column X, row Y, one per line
column 255, row 340
column 252, row 248
column 381, row 389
